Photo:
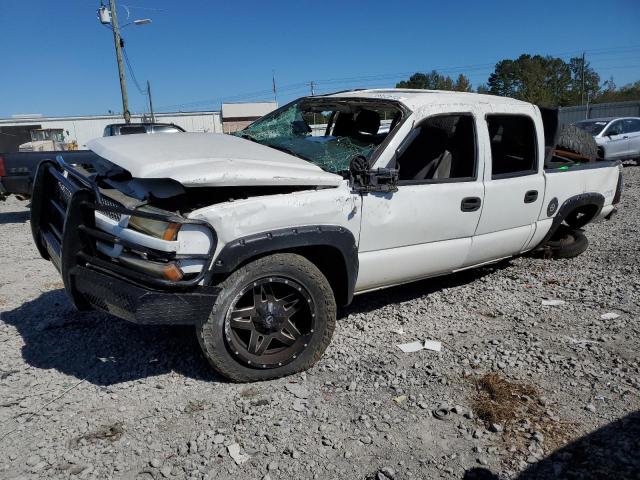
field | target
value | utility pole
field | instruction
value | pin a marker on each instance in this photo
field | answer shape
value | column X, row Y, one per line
column 118, row 44
column 273, row 83
column 582, row 79
column 312, row 84
column 153, row 118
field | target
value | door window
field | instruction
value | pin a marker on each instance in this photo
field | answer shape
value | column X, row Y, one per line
column 513, row 145
column 131, row 130
column 441, row 149
column 614, row 129
column 631, row 125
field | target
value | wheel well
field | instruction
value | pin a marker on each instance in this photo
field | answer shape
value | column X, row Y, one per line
column 330, row 262
column 581, row 215
column 328, row 259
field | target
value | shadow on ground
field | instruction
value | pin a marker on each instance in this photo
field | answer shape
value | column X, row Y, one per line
column 610, row 452
column 101, row 348
column 105, row 350
column 368, row 302
column 14, row 217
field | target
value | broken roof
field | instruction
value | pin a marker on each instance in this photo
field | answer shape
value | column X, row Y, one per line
column 414, row 98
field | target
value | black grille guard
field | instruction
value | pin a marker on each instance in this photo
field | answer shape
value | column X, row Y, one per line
column 66, row 233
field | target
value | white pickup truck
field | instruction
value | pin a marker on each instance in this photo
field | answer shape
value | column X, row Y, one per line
column 256, row 238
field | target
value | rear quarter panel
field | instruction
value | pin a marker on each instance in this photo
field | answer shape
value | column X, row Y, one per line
column 591, row 178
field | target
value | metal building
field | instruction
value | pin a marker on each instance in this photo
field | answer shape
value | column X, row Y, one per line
column 599, row 110
column 84, row 128
column 236, row 116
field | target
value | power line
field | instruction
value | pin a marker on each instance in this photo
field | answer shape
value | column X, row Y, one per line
column 131, row 72
column 375, row 79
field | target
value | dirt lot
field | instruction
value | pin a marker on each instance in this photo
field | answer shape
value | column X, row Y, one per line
column 91, row 396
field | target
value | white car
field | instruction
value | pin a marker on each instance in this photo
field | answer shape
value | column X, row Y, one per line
column 617, row 138
column 256, row 238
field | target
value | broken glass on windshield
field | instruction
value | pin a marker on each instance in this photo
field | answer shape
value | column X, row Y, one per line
column 327, row 132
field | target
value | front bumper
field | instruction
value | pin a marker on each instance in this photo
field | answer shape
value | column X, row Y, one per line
column 139, row 304
column 64, row 229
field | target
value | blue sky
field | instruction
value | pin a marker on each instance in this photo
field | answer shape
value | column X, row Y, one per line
column 58, row 60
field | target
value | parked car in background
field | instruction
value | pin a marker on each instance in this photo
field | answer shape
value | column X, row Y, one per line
column 133, row 128
column 617, row 138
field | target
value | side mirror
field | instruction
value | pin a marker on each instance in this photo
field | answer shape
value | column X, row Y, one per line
column 367, row 180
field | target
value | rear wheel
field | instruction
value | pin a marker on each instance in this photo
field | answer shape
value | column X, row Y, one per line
column 274, row 317
column 567, row 243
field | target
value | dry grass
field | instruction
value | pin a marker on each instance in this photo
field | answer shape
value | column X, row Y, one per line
column 518, row 409
column 500, row 401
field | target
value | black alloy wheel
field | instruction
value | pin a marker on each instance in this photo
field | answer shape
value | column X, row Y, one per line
column 270, row 322
column 273, row 317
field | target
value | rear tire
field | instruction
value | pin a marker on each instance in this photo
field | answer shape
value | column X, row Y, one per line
column 567, row 243
column 578, row 141
column 255, row 306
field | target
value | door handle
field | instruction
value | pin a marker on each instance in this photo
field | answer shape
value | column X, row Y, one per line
column 470, row 204
column 531, row 196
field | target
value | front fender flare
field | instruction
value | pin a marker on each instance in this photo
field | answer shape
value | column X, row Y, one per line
column 241, row 250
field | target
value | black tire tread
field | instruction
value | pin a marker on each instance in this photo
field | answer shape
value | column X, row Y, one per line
column 568, row 244
column 230, row 368
column 578, row 141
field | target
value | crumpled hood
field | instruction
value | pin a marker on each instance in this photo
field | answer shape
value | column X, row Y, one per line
column 209, row 159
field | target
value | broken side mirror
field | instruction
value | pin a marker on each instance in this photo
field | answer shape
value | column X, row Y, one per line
column 367, row 180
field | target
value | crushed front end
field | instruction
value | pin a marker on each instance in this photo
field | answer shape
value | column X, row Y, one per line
column 118, row 254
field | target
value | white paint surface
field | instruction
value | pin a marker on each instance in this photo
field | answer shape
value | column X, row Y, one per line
column 207, row 159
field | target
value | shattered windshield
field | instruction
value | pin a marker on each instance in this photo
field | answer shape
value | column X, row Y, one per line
column 327, row 132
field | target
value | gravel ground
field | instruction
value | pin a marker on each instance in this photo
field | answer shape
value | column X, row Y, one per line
column 91, row 396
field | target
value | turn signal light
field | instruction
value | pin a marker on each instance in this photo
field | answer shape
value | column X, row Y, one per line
column 171, row 232
column 172, row 272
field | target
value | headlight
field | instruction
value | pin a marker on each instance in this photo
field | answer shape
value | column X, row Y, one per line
column 155, row 228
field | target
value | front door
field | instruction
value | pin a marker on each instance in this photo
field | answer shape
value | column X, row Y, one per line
column 617, row 143
column 514, row 188
column 425, row 228
column 631, row 130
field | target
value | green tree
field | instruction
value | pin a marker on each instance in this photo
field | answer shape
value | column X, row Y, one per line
column 482, row 88
column 578, row 94
column 462, row 84
column 429, row 81
column 541, row 80
column 625, row 93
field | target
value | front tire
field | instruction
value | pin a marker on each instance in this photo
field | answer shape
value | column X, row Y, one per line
column 274, row 317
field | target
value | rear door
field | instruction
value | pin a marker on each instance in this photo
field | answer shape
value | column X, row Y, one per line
column 513, row 184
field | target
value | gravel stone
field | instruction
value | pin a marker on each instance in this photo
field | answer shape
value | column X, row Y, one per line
column 65, row 376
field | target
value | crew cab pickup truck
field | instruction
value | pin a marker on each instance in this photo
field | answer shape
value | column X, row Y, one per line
column 256, row 238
